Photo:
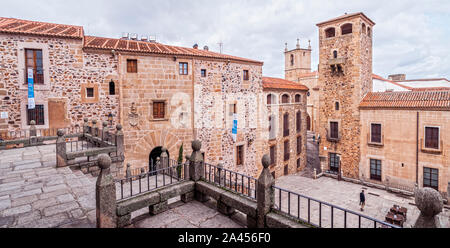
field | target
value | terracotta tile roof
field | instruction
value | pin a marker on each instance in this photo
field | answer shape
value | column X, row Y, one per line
column 308, row 74
column 347, row 16
column 17, row 26
column 432, row 100
column 155, row 48
column 278, row 83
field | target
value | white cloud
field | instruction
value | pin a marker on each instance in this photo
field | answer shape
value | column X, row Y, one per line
column 410, row 37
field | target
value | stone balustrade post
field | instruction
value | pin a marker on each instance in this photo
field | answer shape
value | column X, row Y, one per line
column 120, row 145
column 196, row 168
column 264, row 194
column 85, row 126
column 94, row 128
column 61, row 153
column 33, row 138
column 105, row 131
column 128, row 171
column 158, row 164
column 218, row 174
column 105, row 195
column 430, row 203
column 186, row 168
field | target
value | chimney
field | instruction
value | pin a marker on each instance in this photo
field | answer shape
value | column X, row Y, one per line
column 206, row 48
column 195, row 46
column 285, row 49
column 397, row 77
column 298, row 43
column 309, row 46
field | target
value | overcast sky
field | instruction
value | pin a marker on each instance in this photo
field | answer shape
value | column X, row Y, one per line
column 411, row 37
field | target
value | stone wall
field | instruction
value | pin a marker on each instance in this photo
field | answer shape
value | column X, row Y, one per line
column 66, row 69
column 278, row 110
column 312, row 100
column 398, row 152
column 355, row 49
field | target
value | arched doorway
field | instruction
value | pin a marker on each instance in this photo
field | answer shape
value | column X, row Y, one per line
column 308, row 123
column 154, row 154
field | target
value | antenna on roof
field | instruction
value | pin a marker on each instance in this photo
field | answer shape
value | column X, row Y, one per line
column 221, row 46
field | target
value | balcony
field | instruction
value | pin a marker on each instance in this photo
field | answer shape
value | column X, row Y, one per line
column 336, row 61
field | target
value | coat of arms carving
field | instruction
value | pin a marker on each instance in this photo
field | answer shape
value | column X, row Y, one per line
column 133, row 116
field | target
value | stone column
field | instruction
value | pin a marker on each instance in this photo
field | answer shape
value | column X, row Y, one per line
column 128, row 171
column 105, row 131
column 429, row 202
column 196, row 168
column 120, row 142
column 105, row 195
column 33, row 138
column 94, row 128
column 85, row 126
column 186, row 168
column 264, row 193
column 61, row 154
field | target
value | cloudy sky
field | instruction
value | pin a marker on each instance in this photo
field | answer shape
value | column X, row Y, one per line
column 411, row 37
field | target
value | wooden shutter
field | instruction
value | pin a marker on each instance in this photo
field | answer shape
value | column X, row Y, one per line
column 158, row 110
column 239, row 155
column 432, row 137
column 334, row 129
column 286, row 125
column 376, row 133
column 131, row 65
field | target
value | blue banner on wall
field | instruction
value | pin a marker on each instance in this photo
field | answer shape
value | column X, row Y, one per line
column 31, row 103
column 235, row 126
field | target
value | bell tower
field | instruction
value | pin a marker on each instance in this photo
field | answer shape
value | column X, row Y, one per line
column 345, row 77
column 297, row 61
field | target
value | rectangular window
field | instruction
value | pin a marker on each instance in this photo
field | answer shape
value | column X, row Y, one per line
column 203, row 72
column 159, row 110
column 272, row 155
column 36, row 114
column 239, row 155
column 246, row 76
column 90, row 92
column 334, row 130
column 286, row 170
column 298, row 163
column 285, row 125
column 299, row 145
column 432, row 137
column 286, row 150
column 33, row 60
column 334, row 162
column 131, row 65
column 183, row 68
column 431, row 178
column 375, row 133
column 299, row 122
column 375, row 169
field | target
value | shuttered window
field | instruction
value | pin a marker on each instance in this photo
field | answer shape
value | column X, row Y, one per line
column 286, row 125
column 334, row 130
column 239, row 155
column 33, row 60
column 375, row 133
column 299, row 144
column 158, row 110
column 272, row 155
column 432, row 137
column 246, row 75
column 36, row 114
column 286, row 150
column 299, row 122
column 131, row 65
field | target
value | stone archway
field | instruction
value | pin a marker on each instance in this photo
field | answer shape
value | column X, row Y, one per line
column 153, row 155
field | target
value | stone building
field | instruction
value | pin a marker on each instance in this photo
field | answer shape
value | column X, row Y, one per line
column 164, row 96
column 286, row 111
column 345, row 77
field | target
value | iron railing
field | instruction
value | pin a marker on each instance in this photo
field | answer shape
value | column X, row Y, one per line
column 145, row 182
column 314, row 212
column 234, row 181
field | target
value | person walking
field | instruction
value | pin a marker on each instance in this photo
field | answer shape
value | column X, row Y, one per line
column 362, row 200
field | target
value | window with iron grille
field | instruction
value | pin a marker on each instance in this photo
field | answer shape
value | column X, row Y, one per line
column 246, row 75
column 285, row 125
column 90, row 92
column 299, row 121
column 240, row 155
column 286, row 150
column 36, row 114
column 375, row 133
column 299, row 144
column 33, row 60
column 334, row 162
column 431, row 178
column 432, row 137
column 334, row 130
column 273, row 155
column 159, row 110
column 375, row 169
column 203, row 72
column 183, row 68
column 131, row 65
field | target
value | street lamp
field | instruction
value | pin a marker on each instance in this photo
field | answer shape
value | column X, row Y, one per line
column 110, row 119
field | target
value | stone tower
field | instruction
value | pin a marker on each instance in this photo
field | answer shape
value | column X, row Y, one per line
column 345, row 77
column 297, row 61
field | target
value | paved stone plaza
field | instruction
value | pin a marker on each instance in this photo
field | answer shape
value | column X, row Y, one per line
column 346, row 195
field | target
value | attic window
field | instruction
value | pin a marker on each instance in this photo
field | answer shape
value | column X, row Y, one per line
column 368, row 32
column 346, row 29
column 330, row 32
column 363, row 28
